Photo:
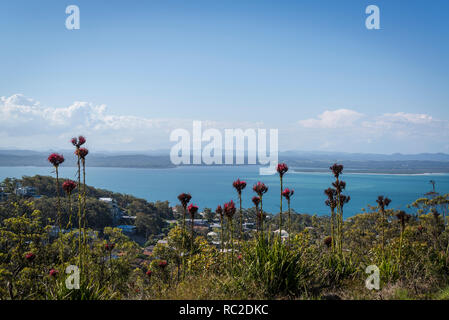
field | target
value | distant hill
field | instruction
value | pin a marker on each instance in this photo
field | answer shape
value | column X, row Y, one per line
column 18, row 158
column 305, row 161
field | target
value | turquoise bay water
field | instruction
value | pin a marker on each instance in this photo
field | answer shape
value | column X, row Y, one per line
column 210, row 186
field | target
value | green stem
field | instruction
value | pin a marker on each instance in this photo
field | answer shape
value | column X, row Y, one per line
column 241, row 218
column 280, row 212
column 79, row 213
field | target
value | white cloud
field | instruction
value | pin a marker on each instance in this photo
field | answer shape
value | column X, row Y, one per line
column 349, row 130
column 25, row 123
column 333, row 119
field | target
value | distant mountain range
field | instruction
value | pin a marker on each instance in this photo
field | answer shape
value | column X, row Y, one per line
column 305, row 161
column 19, row 158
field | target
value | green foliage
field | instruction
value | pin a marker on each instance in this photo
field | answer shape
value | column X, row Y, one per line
column 277, row 268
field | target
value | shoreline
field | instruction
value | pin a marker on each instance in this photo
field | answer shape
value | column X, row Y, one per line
column 296, row 171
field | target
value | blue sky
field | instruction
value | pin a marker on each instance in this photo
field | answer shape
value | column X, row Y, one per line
column 293, row 65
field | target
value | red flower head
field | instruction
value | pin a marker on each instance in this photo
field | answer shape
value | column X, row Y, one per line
column 30, row 256
column 68, row 186
column 287, row 193
column 282, row 169
column 383, row 202
column 239, row 257
column 344, row 199
column 56, row 159
column 403, row 218
column 109, row 246
column 339, row 185
column 219, row 210
column 78, row 142
column 229, row 209
column 328, row 241
column 53, row 272
column 192, row 210
column 420, row 229
column 336, row 169
column 256, row 201
column 184, row 198
column 260, row 188
column 162, row 264
column 239, row 185
column 331, row 195
column 148, row 273
column 82, row 152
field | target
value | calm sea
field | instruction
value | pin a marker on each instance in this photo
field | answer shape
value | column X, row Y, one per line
column 210, row 186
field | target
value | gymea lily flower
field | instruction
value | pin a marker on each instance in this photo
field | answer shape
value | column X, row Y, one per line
column 82, row 152
column 327, row 241
column 30, row 256
column 109, row 246
column 56, row 159
column 78, row 142
column 53, row 273
column 336, row 169
column 162, row 264
column 68, row 186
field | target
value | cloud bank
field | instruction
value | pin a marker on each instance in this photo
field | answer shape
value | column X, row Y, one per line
column 349, row 130
column 26, row 124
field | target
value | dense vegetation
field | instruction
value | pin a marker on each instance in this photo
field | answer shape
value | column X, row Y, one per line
column 320, row 258
column 149, row 216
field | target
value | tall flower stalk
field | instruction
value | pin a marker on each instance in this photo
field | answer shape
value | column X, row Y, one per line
column 331, row 202
column 193, row 209
column 281, row 169
column 229, row 210
column 403, row 219
column 56, row 159
column 288, row 193
column 341, row 200
column 68, row 186
column 256, row 201
column 82, row 153
column 184, row 199
column 382, row 203
column 78, row 142
column 239, row 186
column 260, row 188
column 219, row 211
